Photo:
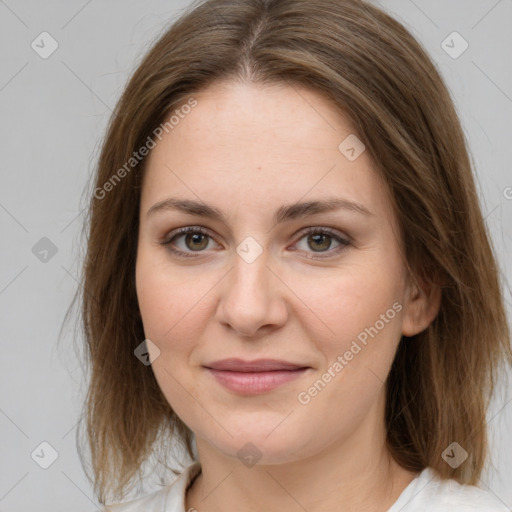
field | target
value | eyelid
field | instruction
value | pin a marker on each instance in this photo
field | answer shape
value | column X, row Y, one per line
column 187, row 229
column 311, row 230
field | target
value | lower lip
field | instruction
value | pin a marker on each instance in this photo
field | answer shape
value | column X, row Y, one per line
column 253, row 383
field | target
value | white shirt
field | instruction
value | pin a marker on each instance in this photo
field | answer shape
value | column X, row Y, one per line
column 426, row 493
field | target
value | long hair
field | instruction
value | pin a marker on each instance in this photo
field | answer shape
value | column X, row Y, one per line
column 375, row 72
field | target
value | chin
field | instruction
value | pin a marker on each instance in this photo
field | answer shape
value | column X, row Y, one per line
column 267, row 443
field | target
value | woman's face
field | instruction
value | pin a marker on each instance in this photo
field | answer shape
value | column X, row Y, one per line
column 329, row 307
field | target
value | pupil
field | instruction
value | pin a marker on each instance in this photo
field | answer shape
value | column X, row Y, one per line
column 319, row 238
column 196, row 238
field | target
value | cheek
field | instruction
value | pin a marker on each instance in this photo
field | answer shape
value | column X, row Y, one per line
column 163, row 306
column 352, row 299
column 169, row 300
column 172, row 316
column 364, row 311
column 361, row 304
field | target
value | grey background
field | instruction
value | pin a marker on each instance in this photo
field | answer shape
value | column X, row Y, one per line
column 53, row 114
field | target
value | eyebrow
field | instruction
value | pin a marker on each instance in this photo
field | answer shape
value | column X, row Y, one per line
column 284, row 213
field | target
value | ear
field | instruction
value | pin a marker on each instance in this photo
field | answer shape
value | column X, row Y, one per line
column 422, row 303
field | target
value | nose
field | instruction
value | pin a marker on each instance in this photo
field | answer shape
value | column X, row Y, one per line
column 252, row 302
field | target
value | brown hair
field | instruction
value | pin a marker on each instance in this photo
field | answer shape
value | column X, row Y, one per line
column 374, row 71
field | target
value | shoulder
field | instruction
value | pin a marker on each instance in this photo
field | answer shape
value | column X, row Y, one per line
column 428, row 492
column 170, row 498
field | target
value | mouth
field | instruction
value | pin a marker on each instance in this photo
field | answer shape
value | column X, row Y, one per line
column 254, row 377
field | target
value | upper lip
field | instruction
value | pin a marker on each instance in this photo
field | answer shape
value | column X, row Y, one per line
column 258, row 365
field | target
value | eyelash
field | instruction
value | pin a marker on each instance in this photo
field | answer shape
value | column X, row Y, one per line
column 309, row 231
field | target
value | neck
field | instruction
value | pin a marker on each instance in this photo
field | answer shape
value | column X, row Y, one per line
column 355, row 475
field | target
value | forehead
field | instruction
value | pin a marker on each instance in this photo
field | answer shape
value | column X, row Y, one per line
column 255, row 114
column 247, row 142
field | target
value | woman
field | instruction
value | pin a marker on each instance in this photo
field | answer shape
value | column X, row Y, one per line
column 287, row 263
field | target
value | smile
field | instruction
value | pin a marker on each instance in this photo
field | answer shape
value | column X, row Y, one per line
column 251, row 378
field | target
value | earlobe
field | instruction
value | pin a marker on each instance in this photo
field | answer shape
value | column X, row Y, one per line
column 421, row 307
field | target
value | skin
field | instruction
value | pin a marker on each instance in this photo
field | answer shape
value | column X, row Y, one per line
column 247, row 150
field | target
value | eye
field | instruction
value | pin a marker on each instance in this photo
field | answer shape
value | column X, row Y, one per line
column 320, row 240
column 193, row 239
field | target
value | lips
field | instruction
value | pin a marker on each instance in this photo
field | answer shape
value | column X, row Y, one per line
column 254, row 377
column 259, row 365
